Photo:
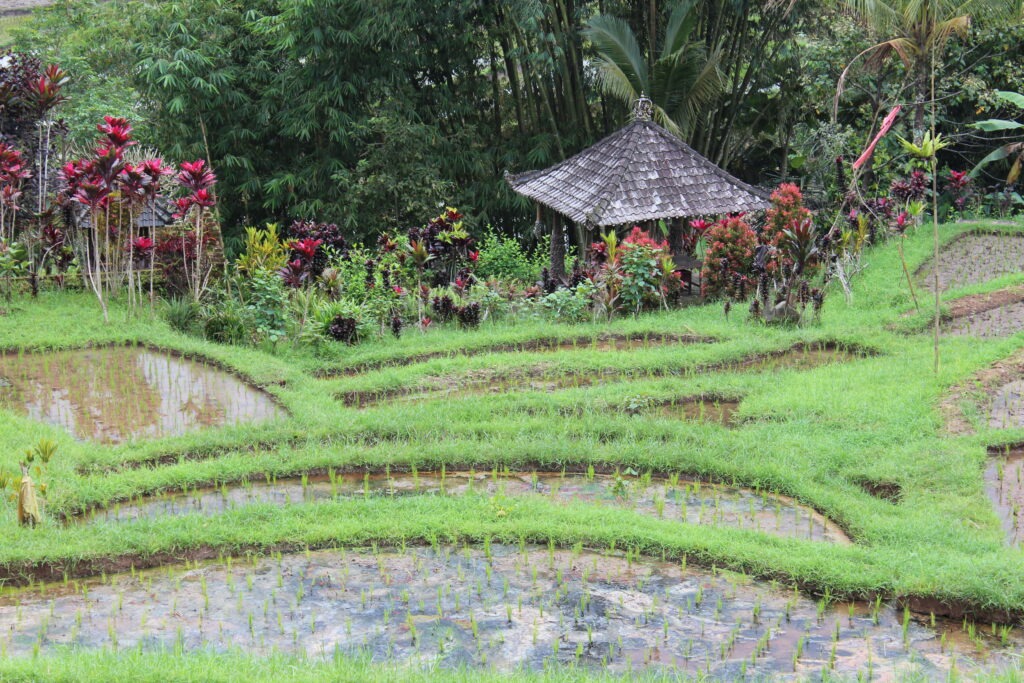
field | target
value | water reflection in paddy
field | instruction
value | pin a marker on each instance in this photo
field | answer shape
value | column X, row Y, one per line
column 113, row 394
column 496, row 607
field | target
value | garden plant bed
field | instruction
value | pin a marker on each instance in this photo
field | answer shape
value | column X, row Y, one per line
column 497, row 608
column 115, row 393
column 543, row 378
column 974, row 258
column 1004, row 484
column 691, row 501
column 603, row 342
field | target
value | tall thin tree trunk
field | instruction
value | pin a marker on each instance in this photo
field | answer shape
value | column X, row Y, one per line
column 557, row 247
column 921, row 95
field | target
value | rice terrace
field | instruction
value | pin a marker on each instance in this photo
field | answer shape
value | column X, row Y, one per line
column 541, row 340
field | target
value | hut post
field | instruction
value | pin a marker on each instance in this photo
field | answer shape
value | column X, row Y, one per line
column 581, row 241
column 676, row 230
column 557, row 247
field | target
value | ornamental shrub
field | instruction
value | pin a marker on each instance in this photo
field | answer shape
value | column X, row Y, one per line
column 786, row 212
column 505, row 258
column 729, row 258
column 639, row 260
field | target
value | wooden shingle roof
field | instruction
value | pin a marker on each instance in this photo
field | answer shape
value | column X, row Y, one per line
column 640, row 173
column 157, row 214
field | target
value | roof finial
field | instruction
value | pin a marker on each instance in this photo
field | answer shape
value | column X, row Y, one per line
column 643, row 108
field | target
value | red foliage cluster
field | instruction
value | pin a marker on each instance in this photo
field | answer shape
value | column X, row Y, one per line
column 730, row 255
column 13, row 172
column 961, row 188
column 91, row 182
column 451, row 248
column 197, row 180
column 787, row 212
column 638, row 237
column 28, row 90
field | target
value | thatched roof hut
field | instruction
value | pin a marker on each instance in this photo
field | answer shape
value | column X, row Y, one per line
column 640, row 173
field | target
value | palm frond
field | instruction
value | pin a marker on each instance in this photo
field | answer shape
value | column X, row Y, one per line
column 615, row 82
column 878, row 14
column 904, row 48
column 944, row 29
column 617, row 45
column 663, row 119
column 686, row 82
column 681, row 23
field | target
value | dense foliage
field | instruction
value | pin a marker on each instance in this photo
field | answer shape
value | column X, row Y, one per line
column 365, row 113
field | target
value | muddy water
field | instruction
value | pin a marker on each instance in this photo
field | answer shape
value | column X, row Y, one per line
column 1004, row 483
column 498, row 608
column 997, row 322
column 715, row 411
column 1007, row 408
column 973, row 259
column 689, row 501
column 539, row 379
column 114, row 394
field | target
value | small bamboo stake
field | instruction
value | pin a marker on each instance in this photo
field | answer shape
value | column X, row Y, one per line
column 910, row 281
column 935, row 221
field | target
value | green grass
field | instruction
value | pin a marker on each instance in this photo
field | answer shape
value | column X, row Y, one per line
column 814, row 435
column 8, row 23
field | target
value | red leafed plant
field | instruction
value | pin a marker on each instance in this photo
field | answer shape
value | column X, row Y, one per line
column 306, row 248
column 299, row 270
column 730, row 256
column 197, row 180
column 786, row 212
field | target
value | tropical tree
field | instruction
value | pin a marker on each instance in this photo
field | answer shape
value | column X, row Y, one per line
column 917, row 32
column 680, row 80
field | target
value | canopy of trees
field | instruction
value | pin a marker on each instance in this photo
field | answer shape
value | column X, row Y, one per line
column 371, row 113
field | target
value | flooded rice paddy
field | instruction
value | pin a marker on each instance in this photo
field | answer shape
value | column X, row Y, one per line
column 1004, row 483
column 687, row 501
column 114, row 394
column 546, row 379
column 499, row 608
column 713, row 411
column 1007, row 407
column 973, row 259
column 997, row 322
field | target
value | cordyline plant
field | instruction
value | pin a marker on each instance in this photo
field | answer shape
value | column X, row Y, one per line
column 29, row 92
column 13, row 172
column 787, row 260
column 449, row 245
column 115, row 192
column 420, row 256
column 198, row 182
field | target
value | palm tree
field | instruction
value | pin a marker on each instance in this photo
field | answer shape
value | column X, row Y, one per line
column 918, row 31
column 681, row 80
